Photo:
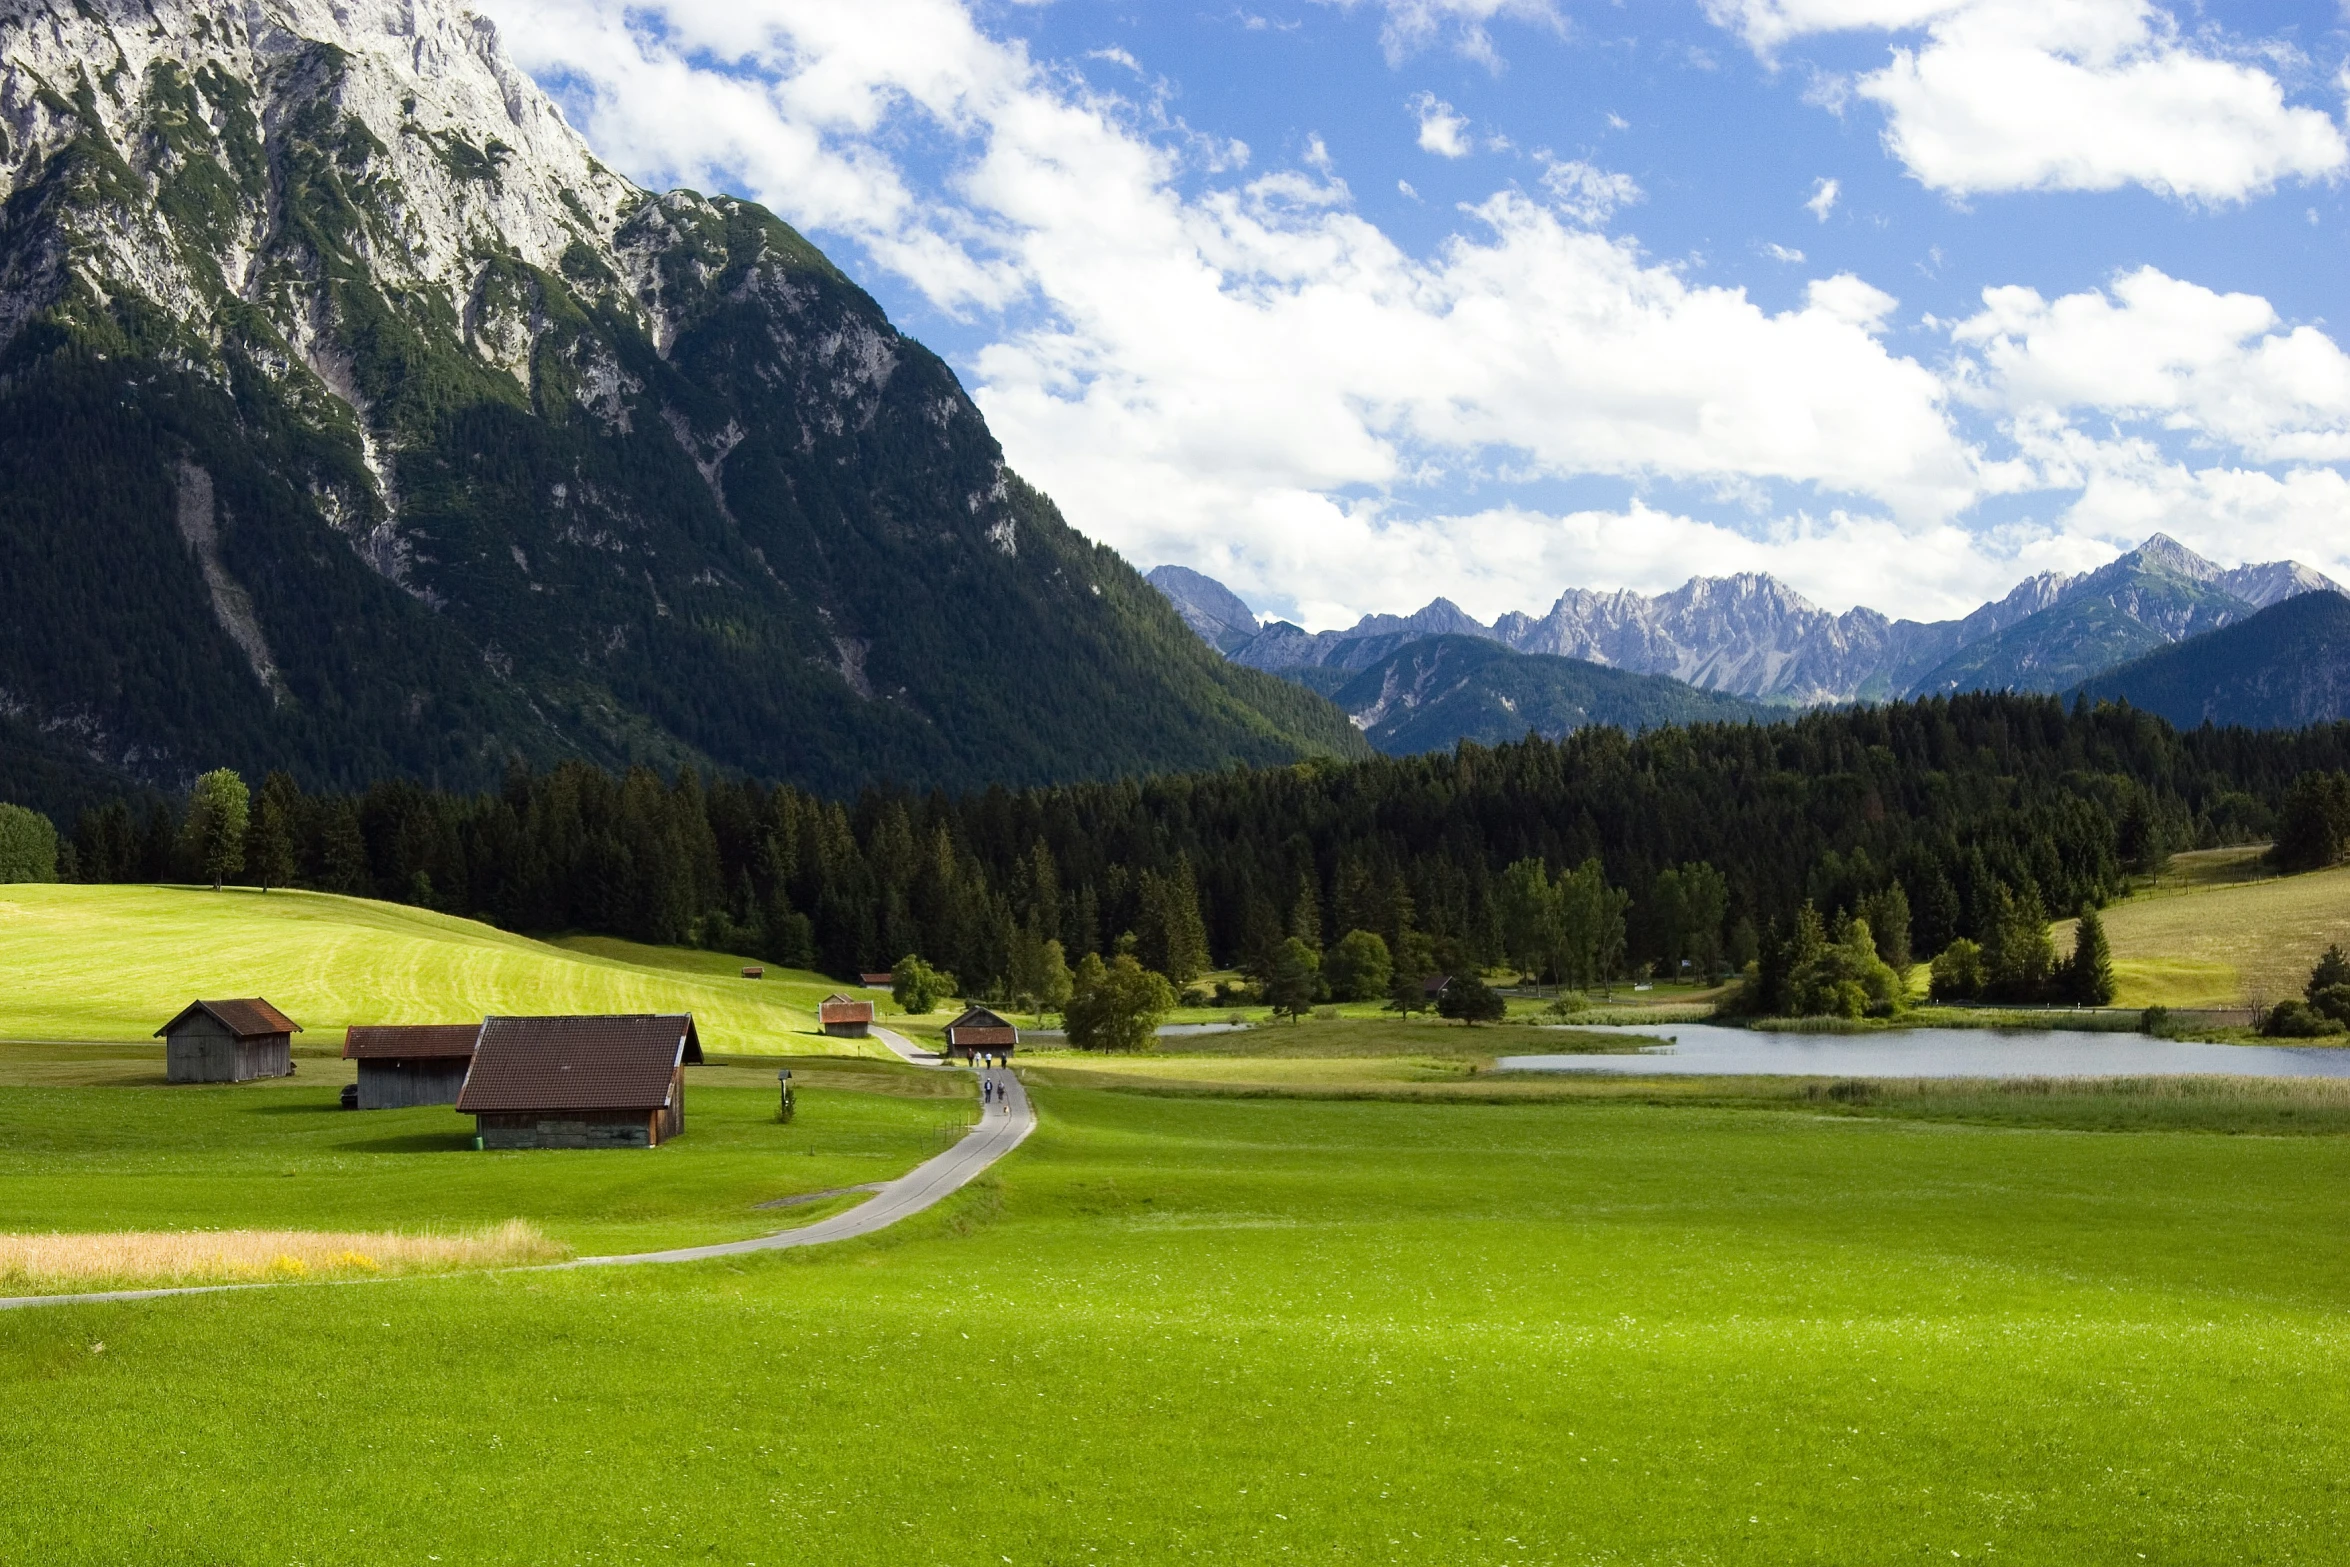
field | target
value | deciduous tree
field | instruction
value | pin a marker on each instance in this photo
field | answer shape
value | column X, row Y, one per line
column 1116, row 1005
column 214, row 830
column 1359, row 967
column 917, row 987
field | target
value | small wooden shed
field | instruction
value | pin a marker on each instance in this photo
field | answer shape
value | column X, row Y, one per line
column 980, row 1032
column 403, row 1064
column 844, row 1017
column 877, row 981
column 580, row 1082
column 228, row 1042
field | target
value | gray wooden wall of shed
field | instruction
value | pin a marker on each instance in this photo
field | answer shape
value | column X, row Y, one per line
column 398, row 1085
column 605, row 1130
column 202, row 1051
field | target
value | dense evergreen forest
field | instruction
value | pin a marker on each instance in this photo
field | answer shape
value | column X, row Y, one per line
column 1971, row 805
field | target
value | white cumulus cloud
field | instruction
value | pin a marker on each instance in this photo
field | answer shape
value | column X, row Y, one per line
column 1442, row 131
column 1586, row 193
column 2019, row 95
column 1290, row 354
column 1206, row 360
column 2222, row 367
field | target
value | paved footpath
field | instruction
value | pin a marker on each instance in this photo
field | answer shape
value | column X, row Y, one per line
column 1007, row 1122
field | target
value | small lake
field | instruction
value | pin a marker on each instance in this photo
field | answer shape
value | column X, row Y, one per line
column 1708, row 1050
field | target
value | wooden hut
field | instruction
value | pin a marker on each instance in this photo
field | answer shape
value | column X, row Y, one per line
column 580, row 1082
column 228, row 1042
column 845, row 1018
column 877, row 981
column 403, row 1064
column 980, row 1032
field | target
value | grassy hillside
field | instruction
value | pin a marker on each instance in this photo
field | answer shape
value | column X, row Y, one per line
column 2205, row 937
column 1262, row 1331
column 116, row 962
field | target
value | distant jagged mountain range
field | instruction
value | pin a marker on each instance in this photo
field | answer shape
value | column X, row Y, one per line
column 1752, row 636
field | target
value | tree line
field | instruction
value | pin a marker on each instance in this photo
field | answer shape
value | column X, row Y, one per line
column 1577, row 861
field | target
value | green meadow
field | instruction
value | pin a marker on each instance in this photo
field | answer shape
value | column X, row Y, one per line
column 1629, row 1323
column 94, row 1142
column 114, row 963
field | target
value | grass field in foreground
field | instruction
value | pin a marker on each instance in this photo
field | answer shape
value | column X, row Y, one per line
column 117, row 962
column 281, row 1155
column 1599, row 1330
column 2221, row 943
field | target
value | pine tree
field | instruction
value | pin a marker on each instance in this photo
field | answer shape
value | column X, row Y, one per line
column 2089, row 973
column 1296, row 982
column 269, row 844
column 1305, row 913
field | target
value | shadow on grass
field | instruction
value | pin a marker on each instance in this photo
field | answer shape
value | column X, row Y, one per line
column 413, row 1142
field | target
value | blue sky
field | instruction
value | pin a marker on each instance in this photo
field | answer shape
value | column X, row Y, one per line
column 1353, row 304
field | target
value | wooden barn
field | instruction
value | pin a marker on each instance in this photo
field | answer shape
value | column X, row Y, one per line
column 981, row 1032
column 877, row 981
column 580, row 1082
column 228, row 1042
column 403, row 1064
column 844, row 1018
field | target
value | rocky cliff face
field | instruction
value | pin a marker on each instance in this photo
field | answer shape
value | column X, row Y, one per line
column 354, row 419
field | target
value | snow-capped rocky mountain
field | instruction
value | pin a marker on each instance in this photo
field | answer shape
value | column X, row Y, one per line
column 355, row 419
column 1752, row 635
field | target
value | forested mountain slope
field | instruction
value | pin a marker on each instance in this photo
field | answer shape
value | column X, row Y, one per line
column 354, row 420
column 1433, row 693
column 2287, row 666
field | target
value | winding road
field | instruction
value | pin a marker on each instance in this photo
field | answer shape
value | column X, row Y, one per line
column 1008, row 1120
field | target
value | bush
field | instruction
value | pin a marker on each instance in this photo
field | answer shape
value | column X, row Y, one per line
column 1958, row 972
column 1470, row 1000
column 2154, row 1020
column 2332, row 1002
column 2297, row 1020
column 28, row 845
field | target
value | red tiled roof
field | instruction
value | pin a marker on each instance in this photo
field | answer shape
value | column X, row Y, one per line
column 878, row 981
column 577, row 1063
column 410, row 1041
column 251, row 1018
column 841, row 1009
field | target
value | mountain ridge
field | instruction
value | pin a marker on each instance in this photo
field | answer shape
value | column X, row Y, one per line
column 354, row 419
column 1430, row 693
column 2284, row 668
column 1750, row 635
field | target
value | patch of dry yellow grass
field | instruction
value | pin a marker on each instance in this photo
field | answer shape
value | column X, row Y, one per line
column 2224, row 944
column 139, row 1258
